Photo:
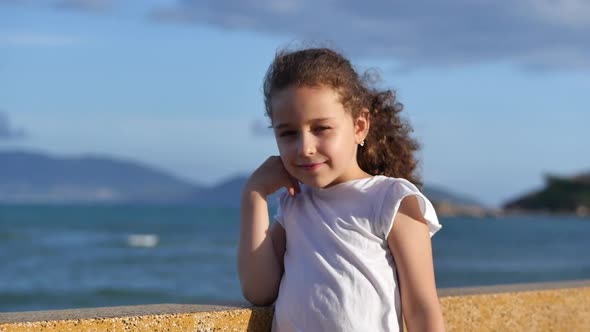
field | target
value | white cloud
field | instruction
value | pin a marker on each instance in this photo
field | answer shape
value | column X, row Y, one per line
column 532, row 33
column 569, row 13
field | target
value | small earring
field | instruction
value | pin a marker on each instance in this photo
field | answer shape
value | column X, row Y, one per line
column 362, row 143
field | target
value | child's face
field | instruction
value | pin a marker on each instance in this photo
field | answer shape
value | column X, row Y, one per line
column 317, row 138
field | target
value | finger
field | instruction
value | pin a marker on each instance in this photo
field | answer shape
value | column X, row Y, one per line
column 297, row 187
column 294, row 184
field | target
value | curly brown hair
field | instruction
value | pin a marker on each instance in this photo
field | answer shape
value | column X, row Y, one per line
column 389, row 149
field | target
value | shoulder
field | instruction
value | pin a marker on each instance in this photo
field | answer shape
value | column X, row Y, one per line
column 285, row 199
column 387, row 182
column 394, row 190
column 287, row 203
column 402, row 199
column 399, row 185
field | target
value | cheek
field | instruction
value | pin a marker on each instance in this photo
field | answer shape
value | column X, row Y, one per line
column 284, row 149
column 341, row 145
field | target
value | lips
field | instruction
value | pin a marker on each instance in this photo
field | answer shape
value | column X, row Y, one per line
column 310, row 166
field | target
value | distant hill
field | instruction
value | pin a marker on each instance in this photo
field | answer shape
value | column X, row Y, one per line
column 228, row 194
column 37, row 177
column 448, row 203
column 225, row 194
column 438, row 194
column 560, row 195
column 32, row 177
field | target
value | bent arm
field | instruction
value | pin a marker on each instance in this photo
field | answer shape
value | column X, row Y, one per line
column 260, row 260
column 409, row 242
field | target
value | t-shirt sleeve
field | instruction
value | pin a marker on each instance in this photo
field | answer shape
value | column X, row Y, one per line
column 398, row 191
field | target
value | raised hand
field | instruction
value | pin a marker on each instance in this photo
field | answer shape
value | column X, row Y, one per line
column 259, row 264
column 270, row 177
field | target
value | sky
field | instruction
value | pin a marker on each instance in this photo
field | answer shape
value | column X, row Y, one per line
column 496, row 91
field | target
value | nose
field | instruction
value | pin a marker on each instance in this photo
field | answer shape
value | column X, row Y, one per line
column 306, row 145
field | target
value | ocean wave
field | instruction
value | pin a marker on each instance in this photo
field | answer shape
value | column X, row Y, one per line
column 143, row 240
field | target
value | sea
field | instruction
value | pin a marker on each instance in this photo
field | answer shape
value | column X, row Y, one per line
column 65, row 257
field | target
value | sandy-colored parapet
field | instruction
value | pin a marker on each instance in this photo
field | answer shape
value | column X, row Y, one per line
column 561, row 306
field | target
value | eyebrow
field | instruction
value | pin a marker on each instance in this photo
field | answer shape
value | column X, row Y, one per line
column 283, row 125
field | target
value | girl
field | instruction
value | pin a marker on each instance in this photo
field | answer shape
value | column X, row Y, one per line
column 350, row 250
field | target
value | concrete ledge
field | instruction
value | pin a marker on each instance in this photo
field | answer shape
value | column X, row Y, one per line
column 159, row 317
column 562, row 306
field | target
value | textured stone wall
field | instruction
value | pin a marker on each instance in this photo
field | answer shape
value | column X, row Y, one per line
column 528, row 307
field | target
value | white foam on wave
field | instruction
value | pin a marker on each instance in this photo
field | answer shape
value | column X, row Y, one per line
column 143, row 240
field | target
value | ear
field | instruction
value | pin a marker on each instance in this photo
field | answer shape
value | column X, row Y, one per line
column 361, row 126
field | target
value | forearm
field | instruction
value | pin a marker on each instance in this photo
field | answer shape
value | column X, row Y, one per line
column 258, row 267
column 426, row 318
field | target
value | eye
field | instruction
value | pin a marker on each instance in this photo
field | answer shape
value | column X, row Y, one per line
column 321, row 128
column 287, row 133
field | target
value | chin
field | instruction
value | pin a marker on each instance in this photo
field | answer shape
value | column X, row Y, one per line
column 314, row 182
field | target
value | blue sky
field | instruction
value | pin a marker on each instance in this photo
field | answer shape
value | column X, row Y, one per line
column 496, row 90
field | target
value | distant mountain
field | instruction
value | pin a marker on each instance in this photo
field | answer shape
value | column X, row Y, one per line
column 438, row 194
column 560, row 195
column 452, row 204
column 31, row 177
column 227, row 194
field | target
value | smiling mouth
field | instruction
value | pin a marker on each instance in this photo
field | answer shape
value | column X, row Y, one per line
column 311, row 167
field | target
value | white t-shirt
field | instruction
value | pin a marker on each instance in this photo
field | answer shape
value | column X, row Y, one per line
column 339, row 270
